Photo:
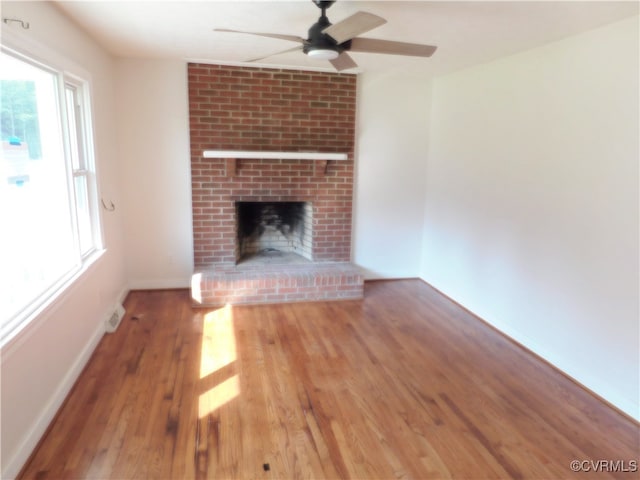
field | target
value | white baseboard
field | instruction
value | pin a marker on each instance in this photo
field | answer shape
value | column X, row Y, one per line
column 12, row 468
column 122, row 295
column 159, row 283
column 596, row 386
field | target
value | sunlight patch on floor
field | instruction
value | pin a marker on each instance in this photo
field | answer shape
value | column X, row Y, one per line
column 219, row 395
column 218, row 351
column 196, row 290
column 218, row 341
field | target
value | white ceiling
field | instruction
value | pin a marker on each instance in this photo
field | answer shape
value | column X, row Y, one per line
column 466, row 33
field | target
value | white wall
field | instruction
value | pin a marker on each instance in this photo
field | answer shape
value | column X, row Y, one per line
column 391, row 147
column 153, row 140
column 532, row 203
column 40, row 365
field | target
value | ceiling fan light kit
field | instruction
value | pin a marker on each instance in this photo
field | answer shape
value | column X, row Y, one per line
column 323, row 54
column 331, row 42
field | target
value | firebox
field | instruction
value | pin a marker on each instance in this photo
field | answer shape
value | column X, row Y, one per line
column 271, row 229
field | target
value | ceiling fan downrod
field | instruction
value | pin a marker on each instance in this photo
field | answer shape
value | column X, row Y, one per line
column 323, row 5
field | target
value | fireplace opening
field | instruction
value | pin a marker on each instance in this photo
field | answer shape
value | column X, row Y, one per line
column 274, row 232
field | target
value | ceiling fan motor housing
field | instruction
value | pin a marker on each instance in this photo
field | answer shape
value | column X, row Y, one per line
column 321, row 41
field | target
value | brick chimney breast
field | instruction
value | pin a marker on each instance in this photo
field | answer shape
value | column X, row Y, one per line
column 258, row 109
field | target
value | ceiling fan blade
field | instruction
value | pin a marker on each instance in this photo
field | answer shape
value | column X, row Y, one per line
column 343, row 62
column 373, row 45
column 291, row 38
column 277, row 53
column 353, row 26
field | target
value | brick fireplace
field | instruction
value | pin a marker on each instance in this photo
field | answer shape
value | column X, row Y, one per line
column 271, row 228
column 260, row 110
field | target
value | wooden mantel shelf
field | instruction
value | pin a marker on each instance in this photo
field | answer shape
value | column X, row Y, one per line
column 237, row 154
column 232, row 156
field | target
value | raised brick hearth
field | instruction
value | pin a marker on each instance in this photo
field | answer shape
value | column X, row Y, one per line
column 241, row 108
column 227, row 284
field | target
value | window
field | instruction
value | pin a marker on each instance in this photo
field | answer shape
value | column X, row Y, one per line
column 48, row 210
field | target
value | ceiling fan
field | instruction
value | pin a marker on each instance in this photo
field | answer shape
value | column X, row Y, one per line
column 332, row 41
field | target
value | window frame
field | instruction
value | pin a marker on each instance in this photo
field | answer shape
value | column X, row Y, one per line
column 67, row 75
column 86, row 162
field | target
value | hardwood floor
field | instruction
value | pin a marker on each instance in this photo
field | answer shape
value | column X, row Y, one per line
column 404, row 384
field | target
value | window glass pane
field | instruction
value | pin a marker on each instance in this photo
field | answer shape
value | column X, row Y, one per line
column 74, row 150
column 37, row 244
column 84, row 215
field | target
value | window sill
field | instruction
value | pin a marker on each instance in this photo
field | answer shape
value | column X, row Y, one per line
column 46, row 305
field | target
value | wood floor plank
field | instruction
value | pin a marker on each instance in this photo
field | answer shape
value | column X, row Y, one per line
column 403, row 384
